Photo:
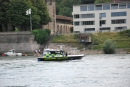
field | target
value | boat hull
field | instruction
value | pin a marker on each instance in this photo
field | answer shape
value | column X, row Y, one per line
column 69, row 57
column 52, row 59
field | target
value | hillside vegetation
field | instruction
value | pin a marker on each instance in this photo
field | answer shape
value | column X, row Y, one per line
column 122, row 39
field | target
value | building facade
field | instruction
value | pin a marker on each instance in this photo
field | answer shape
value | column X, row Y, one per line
column 106, row 17
column 59, row 24
column 63, row 24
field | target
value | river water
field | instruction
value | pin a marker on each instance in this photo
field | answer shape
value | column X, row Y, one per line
column 92, row 71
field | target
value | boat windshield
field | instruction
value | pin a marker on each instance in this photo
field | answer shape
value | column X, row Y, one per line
column 56, row 52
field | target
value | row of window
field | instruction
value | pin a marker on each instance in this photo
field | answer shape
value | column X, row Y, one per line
column 101, row 22
column 113, row 14
column 105, row 7
column 105, row 28
column 84, row 23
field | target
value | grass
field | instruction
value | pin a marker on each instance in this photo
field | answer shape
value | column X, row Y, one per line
column 65, row 38
column 122, row 39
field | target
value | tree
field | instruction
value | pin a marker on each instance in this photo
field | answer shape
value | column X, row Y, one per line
column 109, row 47
column 67, row 5
column 71, row 30
column 87, row 1
column 101, row 1
column 16, row 12
column 42, row 11
column 3, row 17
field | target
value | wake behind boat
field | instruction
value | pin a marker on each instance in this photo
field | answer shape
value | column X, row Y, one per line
column 57, row 55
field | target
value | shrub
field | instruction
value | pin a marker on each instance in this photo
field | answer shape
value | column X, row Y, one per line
column 41, row 36
column 109, row 47
column 125, row 32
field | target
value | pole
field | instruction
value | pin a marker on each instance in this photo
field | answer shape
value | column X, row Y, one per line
column 30, row 22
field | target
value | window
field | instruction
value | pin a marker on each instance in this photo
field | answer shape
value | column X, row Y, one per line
column 87, row 22
column 114, row 14
column 114, row 6
column 98, row 7
column 105, row 28
column 102, row 15
column 128, row 5
column 83, row 8
column 122, row 6
column 76, row 23
column 89, row 29
column 90, row 7
column 106, row 6
column 120, row 28
column 76, row 16
column 87, row 15
column 118, row 21
column 102, row 22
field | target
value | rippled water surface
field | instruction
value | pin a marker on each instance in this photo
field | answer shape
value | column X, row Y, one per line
column 91, row 71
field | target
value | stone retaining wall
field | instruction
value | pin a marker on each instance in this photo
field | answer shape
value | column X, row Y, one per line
column 20, row 41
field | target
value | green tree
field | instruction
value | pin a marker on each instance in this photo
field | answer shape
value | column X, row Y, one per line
column 41, row 36
column 102, row 1
column 67, row 5
column 16, row 12
column 3, row 17
column 42, row 11
column 109, row 47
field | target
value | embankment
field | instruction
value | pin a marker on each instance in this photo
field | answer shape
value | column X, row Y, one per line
column 20, row 41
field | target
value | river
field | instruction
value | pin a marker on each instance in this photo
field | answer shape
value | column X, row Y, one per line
column 92, row 71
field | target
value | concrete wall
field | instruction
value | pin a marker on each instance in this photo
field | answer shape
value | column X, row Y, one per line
column 20, row 41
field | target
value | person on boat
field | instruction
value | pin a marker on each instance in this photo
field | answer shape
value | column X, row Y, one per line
column 39, row 51
column 36, row 53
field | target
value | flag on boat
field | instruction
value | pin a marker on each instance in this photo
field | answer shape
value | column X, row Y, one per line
column 28, row 11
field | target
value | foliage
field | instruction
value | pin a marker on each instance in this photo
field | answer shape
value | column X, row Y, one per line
column 65, row 38
column 71, row 30
column 42, row 11
column 122, row 41
column 65, row 7
column 16, row 12
column 41, row 36
column 16, row 29
column 13, row 12
column 109, row 47
column 101, row 1
column 125, row 32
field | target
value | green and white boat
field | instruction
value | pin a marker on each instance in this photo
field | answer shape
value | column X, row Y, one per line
column 57, row 55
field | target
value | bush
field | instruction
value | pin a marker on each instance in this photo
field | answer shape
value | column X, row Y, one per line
column 16, row 29
column 109, row 47
column 125, row 32
column 41, row 36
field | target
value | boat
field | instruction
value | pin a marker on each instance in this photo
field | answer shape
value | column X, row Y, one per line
column 57, row 55
column 12, row 52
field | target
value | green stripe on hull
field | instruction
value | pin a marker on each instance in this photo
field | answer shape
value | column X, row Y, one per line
column 56, row 58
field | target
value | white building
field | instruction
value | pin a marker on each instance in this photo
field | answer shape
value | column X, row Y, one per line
column 92, row 18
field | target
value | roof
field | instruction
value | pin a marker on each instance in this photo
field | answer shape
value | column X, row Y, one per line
column 64, row 17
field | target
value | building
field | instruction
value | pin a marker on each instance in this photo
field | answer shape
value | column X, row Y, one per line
column 119, row 0
column 52, row 13
column 59, row 24
column 63, row 24
column 106, row 17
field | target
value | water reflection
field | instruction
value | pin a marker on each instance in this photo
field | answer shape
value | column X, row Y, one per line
column 92, row 71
